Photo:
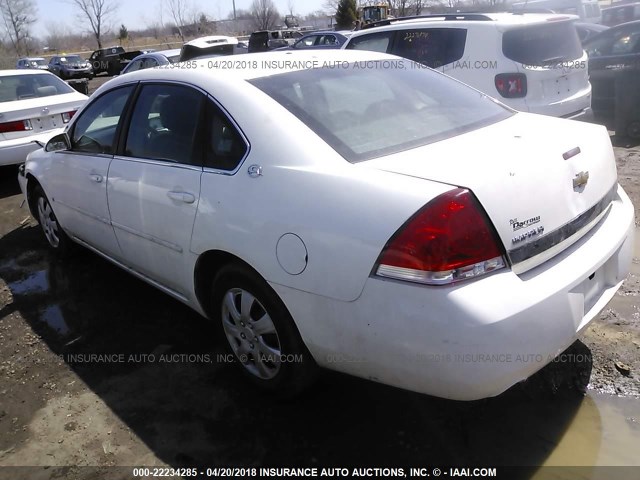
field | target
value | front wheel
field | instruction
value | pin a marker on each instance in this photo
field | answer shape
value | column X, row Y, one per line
column 260, row 332
column 57, row 239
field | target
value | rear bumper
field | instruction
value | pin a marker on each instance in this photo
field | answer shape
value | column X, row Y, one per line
column 476, row 339
column 14, row 152
column 585, row 115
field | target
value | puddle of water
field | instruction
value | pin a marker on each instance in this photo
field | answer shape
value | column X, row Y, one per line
column 605, row 431
column 54, row 318
column 37, row 282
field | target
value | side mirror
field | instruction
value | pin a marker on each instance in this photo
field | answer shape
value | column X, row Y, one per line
column 58, row 143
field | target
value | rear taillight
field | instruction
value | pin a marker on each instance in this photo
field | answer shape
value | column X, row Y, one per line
column 66, row 116
column 511, row 85
column 19, row 126
column 447, row 240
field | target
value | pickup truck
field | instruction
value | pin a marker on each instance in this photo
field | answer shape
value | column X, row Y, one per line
column 111, row 60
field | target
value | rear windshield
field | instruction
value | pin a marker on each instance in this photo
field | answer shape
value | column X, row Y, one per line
column 369, row 109
column 22, row 87
column 542, row 44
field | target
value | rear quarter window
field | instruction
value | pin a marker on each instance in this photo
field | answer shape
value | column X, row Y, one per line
column 542, row 44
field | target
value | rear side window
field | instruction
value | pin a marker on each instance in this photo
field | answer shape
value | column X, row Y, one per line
column 542, row 44
column 375, row 42
column 164, row 124
column 433, row 47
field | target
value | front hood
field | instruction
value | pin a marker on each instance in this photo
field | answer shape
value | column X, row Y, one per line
column 529, row 174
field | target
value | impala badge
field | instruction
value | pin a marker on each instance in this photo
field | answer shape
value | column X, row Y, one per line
column 580, row 180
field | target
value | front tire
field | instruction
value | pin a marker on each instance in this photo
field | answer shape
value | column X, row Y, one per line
column 57, row 239
column 260, row 332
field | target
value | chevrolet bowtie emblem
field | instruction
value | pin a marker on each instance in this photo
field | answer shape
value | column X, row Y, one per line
column 580, row 180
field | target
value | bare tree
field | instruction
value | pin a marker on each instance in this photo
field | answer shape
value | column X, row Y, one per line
column 99, row 13
column 265, row 14
column 180, row 11
column 17, row 16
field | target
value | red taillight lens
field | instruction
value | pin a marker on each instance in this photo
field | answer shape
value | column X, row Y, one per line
column 19, row 126
column 66, row 116
column 511, row 85
column 448, row 240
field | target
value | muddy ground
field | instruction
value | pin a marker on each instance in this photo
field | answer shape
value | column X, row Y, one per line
column 157, row 390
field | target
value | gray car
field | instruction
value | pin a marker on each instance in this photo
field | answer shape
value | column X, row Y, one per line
column 32, row 62
column 152, row 59
column 70, row 66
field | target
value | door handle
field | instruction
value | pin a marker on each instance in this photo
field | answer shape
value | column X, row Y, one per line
column 96, row 178
column 185, row 197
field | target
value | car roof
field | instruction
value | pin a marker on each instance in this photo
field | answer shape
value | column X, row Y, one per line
column 168, row 53
column 164, row 53
column 26, row 71
column 31, row 58
column 204, row 42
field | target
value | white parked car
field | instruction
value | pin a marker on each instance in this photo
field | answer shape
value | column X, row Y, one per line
column 34, row 106
column 532, row 62
column 391, row 223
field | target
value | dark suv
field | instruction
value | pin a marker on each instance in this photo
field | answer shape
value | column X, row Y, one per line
column 265, row 40
column 70, row 66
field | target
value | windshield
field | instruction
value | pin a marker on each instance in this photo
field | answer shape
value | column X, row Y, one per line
column 71, row 59
column 369, row 109
column 542, row 44
column 37, row 63
column 21, row 87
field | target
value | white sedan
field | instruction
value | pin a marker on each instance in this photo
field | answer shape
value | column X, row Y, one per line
column 34, row 106
column 346, row 210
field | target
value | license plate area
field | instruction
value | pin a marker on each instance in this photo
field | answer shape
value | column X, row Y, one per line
column 47, row 122
column 592, row 288
column 558, row 87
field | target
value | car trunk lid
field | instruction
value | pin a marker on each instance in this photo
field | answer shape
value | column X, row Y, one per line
column 542, row 181
column 41, row 117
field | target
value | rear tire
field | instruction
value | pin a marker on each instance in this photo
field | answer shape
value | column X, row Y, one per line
column 55, row 236
column 260, row 332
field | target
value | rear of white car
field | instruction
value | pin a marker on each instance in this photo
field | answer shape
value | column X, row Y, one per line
column 417, row 233
column 531, row 62
column 34, row 106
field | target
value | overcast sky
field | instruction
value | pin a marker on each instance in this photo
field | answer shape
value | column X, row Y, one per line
column 136, row 14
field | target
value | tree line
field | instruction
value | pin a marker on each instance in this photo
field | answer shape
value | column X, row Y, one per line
column 183, row 18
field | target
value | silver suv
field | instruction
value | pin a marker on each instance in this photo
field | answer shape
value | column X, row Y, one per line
column 531, row 62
